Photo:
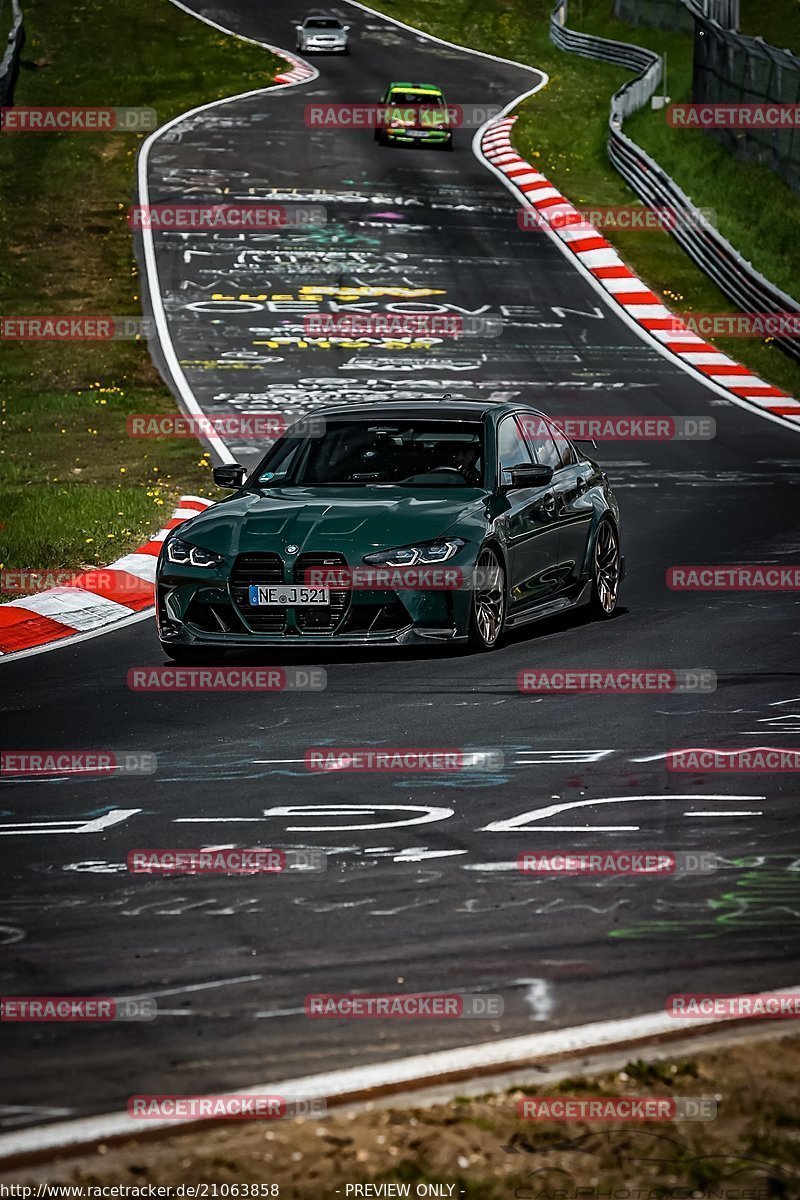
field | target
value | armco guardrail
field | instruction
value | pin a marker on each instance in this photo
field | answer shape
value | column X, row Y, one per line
column 677, row 15
column 724, row 12
column 740, row 281
column 9, row 66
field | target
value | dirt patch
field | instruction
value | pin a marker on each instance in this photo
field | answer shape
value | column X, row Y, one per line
column 481, row 1149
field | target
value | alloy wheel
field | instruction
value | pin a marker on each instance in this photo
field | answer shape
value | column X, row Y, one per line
column 606, row 568
column 489, row 600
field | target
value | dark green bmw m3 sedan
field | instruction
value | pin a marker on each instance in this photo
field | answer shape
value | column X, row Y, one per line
column 404, row 522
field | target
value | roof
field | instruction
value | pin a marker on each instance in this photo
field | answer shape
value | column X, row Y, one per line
column 417, row 87
column 425, row 407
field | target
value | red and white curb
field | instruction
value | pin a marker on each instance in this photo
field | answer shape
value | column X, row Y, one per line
column 300, row 71
column 109, row 597
column 561, row 219
column 98, row 598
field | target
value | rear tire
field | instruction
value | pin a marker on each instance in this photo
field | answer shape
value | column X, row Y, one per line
column 606, row 564
column 489, row 602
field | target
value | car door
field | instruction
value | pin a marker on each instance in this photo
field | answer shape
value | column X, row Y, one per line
column 573, row 507
column 530, row 522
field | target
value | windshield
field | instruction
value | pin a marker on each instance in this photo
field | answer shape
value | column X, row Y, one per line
column 422, row 98
column 323, row 23
column 411, row 453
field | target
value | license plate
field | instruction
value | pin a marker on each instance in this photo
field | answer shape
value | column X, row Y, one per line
column 299, row 596
column 417, row 132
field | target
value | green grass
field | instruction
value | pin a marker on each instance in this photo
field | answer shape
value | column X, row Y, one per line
column 703, row 168
column 563, row 130
column 777, row 23
column 5, row 24
column 75, row 490
column 480, row 1148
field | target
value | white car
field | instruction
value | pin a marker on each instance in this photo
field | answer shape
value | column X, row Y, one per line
column 323, row 34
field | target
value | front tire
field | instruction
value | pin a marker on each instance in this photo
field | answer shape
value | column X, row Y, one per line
column 489, row 602
column 606, row 564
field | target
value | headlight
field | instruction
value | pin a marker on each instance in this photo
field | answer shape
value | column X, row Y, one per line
column 407, row 556
column 191, row 556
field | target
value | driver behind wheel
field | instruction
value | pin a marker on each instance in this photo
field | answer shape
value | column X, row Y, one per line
column 463, row 457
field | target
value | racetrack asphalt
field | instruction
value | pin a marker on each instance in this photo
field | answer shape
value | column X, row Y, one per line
column 406, row 904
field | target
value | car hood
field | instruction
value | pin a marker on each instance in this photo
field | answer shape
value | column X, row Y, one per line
column 349, row 521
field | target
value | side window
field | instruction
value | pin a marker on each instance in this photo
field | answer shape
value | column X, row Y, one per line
column 564, row 446
column 540, row 441
column 511, row 450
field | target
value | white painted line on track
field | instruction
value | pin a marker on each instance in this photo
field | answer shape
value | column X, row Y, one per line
column 733, row 813
column 396, row 1075
column 94, row 825
column 192, row 987
column 595, row 258
column 186, row 395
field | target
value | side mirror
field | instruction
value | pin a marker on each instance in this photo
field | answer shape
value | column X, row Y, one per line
column 231, row 475
column 531, row 475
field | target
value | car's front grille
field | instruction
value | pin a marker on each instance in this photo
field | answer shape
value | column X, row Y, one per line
column 321, row 618
column 264, row 569
column 259, row 569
